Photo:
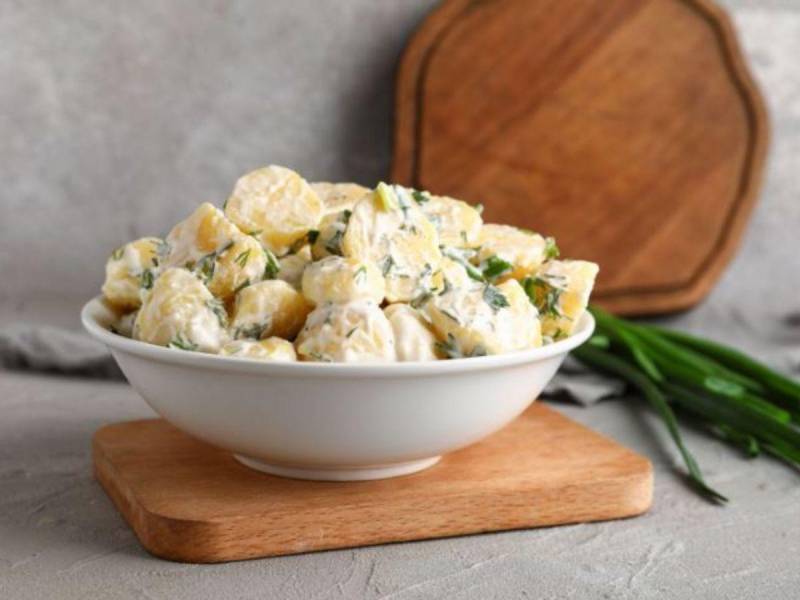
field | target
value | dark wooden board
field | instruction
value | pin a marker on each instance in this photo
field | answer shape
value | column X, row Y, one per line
column 629, row 129
column 188, row 501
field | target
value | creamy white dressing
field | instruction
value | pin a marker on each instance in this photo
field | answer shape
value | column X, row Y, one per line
column 413, row 339
column 354, row 332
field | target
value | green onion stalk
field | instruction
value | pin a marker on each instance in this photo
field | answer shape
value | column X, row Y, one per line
column 740, row 400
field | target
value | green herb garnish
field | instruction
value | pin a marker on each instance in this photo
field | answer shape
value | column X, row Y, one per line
column 241, row 286
column 146, row 279
column 218, row 309
column 387, row 265
column 495, row 267
column 551, row 250
column 421, row 300
column 253, row 330
column 273, row 266
column 462, row 256
column 117, row 254
column 421, row 197
column 494, row 298
column 544, row 294
column 360, row 275
column 334, row 244
column 182, row 343
column 206, row 266
column 450, row 349
column 242, row 258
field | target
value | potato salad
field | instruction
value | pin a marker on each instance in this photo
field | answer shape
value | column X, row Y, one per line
column 286, row 270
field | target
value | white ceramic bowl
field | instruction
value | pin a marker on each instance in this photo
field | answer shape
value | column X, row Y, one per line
column 329, row 421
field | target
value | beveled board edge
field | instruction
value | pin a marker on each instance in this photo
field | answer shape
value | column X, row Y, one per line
column 643, row 301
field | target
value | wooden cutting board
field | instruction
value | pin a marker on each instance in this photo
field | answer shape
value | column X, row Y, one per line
column 629, row 129
column 191, row 502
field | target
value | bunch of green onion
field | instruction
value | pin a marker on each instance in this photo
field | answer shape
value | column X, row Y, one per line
column 741, row 400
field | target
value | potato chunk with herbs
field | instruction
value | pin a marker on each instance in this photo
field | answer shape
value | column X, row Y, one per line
column 129, row 269
column 413, row 338
column 341, row 280
column 275, row 205
column 337, row 197
column 560, row 290
column 272, row 349
column 388, row 228
column 180, row 312
column 484, row 319
column 195, row 242
column 458, row 223
column 236, row 266
column 331, row 233
column 354, row 332
column 517, row 252
column 268, row 308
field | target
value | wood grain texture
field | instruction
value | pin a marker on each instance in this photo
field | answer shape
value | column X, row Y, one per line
column 191, row 502
column 629, row 129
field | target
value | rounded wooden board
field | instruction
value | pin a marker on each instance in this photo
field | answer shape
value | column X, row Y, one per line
column 629, row 129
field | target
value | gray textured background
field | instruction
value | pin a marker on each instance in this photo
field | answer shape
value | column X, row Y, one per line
column 117, row 118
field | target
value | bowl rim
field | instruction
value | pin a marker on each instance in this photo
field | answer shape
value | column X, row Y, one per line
column 93, row 311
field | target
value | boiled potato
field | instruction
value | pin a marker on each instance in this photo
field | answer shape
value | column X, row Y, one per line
column 268, row 308
column 195, row 242
column 124, row 324
column 290, row 267
column 560, row 290
column 337, row 197
column 180, row 312
column 354, row 332
column 525, row 251
column 413, row 338
column 458, row 223
column 275, row 205
column 130, row 268
column 271, row 349
column 484, row 319
column 331, row 234
column 341, row 280
column 238, row 265
column 388, row 228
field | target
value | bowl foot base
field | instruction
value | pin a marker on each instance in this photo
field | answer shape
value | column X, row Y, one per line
column 336, row 474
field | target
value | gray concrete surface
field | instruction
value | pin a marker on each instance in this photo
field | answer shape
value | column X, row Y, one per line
column 116, row 118
column 60, row 537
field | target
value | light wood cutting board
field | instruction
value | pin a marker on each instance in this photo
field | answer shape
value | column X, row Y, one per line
column 629, row 129
column 191, row 502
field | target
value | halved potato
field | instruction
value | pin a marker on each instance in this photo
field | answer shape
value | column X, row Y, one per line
column 129, row 269
column 484, row 319
column 268, row 308
column 458, row 223
column 561, row 290
column 354, row 332
column 413, row 337
column 180, row 312
column 275, row 205
column 388, row 228
column 342, row 280
column 337, row 197
column 524, row 250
